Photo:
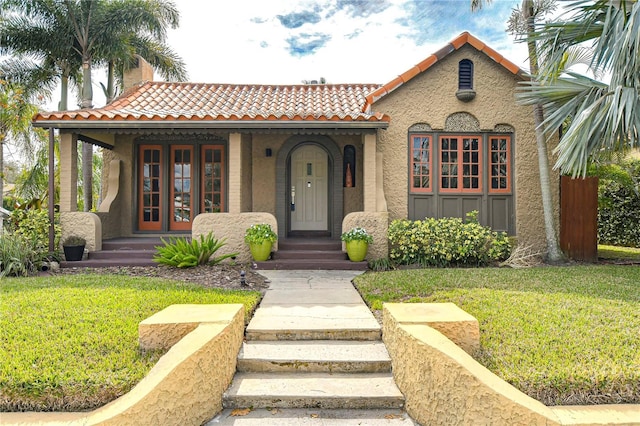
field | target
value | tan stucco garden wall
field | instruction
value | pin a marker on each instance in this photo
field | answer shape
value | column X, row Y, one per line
column 232, row 227
column 82, row 224
column 444, row 385
column 186, row 385
column 118, row 222
column 376, row 224
column 430, row 98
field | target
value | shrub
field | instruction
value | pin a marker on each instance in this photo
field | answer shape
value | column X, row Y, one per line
column 181, row 253
column 619, row 204
column 446, row 242
column 259, row 233
column 74, row 240
column 33, row 224
column 20, row 256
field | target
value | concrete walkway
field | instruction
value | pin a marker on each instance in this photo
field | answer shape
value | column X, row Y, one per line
column 313, row 356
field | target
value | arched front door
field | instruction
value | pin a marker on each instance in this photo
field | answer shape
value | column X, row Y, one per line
column 309, row 189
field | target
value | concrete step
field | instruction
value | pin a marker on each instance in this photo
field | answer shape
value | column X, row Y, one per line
column 309, row 244
column 313, row 322
column 312, row 264
column 141, row 243
column 104, row 263
column 313, row 390
column 122, row 254
column 310, row 254
column 311, row 417
column 314, row 356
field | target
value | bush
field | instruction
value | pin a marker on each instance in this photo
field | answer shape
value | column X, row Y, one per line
column 24, row 246
column 619, row 204
column 181, row 253
column 20, row 256
column 446, row 242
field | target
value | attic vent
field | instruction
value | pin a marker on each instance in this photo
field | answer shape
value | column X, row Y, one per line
column 465, row 81
column 465, row 74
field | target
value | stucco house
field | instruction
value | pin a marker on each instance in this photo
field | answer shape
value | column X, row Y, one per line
column 443, row 138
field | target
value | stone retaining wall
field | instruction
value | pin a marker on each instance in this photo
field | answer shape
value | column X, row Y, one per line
column 186, row 385
column 232, row 226
column 444, row 385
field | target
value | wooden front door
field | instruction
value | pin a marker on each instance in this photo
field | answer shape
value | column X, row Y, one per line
column 309, row 189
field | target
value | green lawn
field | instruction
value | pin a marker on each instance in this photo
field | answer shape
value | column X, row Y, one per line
column 564, row 335
column 618, row 253
column 70, row 342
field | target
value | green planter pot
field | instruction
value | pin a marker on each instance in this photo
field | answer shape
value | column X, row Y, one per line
column 357, row 250
column 260, row 251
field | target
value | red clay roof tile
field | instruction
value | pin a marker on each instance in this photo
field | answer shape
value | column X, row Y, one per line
column 157, row 101
column 221, row 102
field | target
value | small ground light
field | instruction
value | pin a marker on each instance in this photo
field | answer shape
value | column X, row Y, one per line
column 243, row 280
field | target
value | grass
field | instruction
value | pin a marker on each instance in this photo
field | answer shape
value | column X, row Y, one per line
column 563, row 335
column 70, row 342
column 618, row 253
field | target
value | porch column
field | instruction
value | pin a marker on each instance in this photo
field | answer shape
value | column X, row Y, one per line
column 369, row 172
column 235, row 173
column 68, row 172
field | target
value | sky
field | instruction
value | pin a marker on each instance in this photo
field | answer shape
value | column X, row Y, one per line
column 342, row 41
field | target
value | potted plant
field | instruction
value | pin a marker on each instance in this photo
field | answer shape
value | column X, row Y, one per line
column 260, row 238
column 73, row 247
column 357, row 241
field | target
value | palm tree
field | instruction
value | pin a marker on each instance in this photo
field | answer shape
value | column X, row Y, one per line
column 604, row 118
column 15, row 119
column 523, row 23
column 86, row 31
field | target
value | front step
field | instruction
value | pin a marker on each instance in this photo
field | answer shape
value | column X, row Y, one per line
column 311, row 417
column 311, row 254
column 314, row 356
column 314, row 322
column 313, row 390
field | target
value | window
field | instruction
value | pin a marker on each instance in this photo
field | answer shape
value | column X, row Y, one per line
column 460, row 164
column 450, row 163
column 465, row 74
column 421, row 163
column 500, row 164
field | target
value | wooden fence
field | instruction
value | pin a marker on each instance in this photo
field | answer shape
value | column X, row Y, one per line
column 579, row 218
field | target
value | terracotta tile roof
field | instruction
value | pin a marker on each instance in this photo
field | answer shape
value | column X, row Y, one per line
column 227, row 102
column 462, row 40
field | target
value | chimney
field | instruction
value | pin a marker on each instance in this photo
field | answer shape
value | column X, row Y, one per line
column 139, row 73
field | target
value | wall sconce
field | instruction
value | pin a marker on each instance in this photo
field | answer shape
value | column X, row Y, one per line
column 268, row 152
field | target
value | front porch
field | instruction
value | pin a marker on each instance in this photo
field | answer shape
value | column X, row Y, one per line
column 306, row 252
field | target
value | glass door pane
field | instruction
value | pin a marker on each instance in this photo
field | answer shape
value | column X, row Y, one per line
column 150, row 187
column 212, row 175
column 181, row 194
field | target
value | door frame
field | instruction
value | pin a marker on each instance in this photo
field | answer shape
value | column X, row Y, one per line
column 165, row 144
column 283, row 183
column 326, row 201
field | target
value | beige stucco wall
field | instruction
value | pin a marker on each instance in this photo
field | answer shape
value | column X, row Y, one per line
column 186, row 385
column 430, row 98
column 376, row 224
column 82, row 224
column 232, row 227
column 444, row 385
column 118, row 222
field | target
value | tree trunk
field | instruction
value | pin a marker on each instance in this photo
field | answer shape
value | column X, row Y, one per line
column 554, row 254
column 87, row 149
column 1, row 172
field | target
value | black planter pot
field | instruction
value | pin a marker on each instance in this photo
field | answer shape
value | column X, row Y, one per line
column 73, row 253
